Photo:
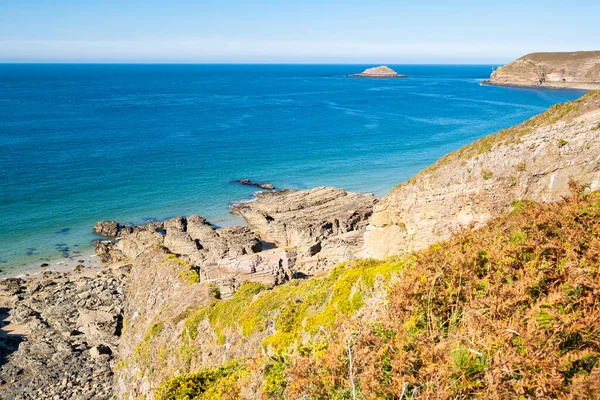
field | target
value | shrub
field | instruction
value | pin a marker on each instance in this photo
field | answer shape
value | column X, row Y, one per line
column 507, row 311
column 207, row 383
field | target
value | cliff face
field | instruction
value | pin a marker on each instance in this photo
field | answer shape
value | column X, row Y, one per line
column 531, row 161
column 578, row 70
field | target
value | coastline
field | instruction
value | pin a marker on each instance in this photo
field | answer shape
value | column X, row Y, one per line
column 101, row 317
column 345, row 117
column 553, row 85
column 60, row 265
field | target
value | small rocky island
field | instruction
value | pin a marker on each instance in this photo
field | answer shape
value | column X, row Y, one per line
column 378, row 72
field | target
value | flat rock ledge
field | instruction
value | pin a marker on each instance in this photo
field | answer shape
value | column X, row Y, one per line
column 378, row 72
column 325, row 225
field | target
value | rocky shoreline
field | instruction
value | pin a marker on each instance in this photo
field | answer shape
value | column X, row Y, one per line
column 60, row 334
column 61, row 330
column 287, row 232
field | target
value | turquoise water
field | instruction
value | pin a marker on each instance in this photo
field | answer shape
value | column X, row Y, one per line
column 81, row 143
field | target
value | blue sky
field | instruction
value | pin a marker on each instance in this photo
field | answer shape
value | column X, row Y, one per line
column 308, row 31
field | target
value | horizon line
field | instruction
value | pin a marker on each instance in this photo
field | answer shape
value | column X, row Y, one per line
column 234, row 63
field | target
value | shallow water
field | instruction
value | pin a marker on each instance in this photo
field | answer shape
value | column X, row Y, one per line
column 81, row 143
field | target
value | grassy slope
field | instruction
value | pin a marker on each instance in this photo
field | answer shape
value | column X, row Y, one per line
column 509, row 311
column 561, row 58
column 559, row 112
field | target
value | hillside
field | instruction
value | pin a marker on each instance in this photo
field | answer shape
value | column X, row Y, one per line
column 577, row 70
column 506, row 311
column 530, row 161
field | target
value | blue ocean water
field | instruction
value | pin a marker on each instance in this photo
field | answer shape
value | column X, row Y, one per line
column 82, row 143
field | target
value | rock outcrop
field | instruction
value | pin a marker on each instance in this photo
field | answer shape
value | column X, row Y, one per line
column 378, row 72
column 158, row 298
column 107, row 228
column 311, row 230
column 248, row 182
column 532, row 161
column 324, row 224
column 577, row 70
column 70, row 325
column 212, row 252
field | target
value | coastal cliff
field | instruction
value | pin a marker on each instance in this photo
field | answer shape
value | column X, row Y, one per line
column 576, row 70
column 531, row 161
column 275, row 340
column 475, row 278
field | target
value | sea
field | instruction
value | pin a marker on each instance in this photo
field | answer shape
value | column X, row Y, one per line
column 81, row 143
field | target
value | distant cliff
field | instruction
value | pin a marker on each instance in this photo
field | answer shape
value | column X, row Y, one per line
column 577, row 70
column 531, row 161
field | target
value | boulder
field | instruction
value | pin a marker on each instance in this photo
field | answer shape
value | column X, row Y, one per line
column 97, row 325
column 11, row 286
column 132, row 245
column 175, row 224
column 200, row 229
column 100, row 350
column 107, row 228
column 240, row 240
column 180, row 242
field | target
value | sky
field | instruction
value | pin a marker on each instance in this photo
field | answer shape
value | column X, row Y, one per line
column 293, row 31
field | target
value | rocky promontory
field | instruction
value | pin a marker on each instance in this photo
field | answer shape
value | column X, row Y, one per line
column 574, row 70
column 378, row 72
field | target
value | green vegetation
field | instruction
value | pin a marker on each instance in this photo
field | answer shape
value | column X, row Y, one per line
column 189, row 275
column 486, row 174
column 562, row 142
column 310, row 305
column 143, row 350
column 521, row 166
column 214, row 291
column 224, row 382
